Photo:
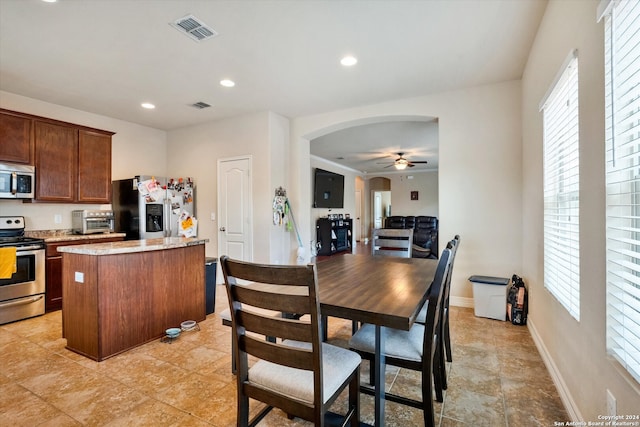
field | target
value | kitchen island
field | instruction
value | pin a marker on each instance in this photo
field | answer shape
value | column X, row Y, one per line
column 119, row 295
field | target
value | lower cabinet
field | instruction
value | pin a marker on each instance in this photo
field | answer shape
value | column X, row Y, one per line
column 53, row 268
column 333, row 235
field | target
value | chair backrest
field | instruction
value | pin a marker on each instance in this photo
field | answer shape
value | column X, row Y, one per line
column 392, row 242
column 434, row 315
column 288, row 289
column 455, row 243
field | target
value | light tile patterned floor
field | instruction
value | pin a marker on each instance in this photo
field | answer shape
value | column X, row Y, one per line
column 497, row 378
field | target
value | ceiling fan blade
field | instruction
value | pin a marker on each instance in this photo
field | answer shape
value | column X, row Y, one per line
column 392, row 164
column 424, row 162
column 410, row 165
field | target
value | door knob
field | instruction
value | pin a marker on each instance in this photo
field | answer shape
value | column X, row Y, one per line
column 223, row 229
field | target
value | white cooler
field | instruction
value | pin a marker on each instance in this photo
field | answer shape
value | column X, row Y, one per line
column 490, row 296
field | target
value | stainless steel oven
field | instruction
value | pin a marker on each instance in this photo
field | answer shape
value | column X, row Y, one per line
column 23, row 294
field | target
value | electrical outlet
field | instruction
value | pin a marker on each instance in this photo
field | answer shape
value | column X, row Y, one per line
column 611, row 403
column 213, row 216
column 57, row 218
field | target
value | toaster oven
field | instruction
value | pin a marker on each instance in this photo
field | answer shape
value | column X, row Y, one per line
column 92, row 221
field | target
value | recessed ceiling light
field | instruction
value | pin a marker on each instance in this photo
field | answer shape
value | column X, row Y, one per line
column 49, row 1
column 148, row 105
column 227, row 83
column 349, row 61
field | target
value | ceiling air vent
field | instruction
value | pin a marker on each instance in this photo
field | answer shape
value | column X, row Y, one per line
column 194, row 28
column 200, row 105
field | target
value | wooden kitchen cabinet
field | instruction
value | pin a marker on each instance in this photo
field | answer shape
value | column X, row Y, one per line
column 53, row 274
column 56, row 162
column 16, row 142
column 94, row 167
column 53, row 268
column 73, row 164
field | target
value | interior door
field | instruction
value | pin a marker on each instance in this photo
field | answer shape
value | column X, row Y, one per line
column 377, row 210
column 235, row 218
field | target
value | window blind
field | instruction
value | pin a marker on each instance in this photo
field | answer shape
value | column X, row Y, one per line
column 562, row 188
column 622, row 131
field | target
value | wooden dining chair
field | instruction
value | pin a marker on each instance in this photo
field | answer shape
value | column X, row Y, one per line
column 297, row 373
column 443, row 332
column 446, row 336
column 225, row 315
column 392, row 242
column 415, row 349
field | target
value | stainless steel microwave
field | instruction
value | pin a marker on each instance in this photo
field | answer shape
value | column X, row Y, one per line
column 17, row 181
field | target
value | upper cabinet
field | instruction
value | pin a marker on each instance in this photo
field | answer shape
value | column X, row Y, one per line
column 56, row 162
column 73, row 162
column 94, row 167
column 16, row 144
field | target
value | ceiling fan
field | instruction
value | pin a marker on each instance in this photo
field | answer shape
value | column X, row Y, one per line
column 402, row 163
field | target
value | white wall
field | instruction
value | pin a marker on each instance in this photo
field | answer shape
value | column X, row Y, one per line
column 480, row 149
column 425, row 183
column 195, row 152
column 135, row 150
column 280, row 240
column 576, row 351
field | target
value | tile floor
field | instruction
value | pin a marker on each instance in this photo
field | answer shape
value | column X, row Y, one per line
column 497, row 378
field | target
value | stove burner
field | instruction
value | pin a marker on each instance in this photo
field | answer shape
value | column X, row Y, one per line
column 12, row 233
column 19, row 241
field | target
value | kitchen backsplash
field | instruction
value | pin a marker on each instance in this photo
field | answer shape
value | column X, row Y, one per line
column 44, row 216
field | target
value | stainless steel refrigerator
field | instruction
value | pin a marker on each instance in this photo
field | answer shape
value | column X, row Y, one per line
column 148, row 207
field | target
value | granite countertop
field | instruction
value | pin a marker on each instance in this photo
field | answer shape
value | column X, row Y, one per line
column 133, row 246
column 51, row 236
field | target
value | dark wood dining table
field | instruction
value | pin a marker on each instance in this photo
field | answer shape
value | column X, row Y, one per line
column 383, row 291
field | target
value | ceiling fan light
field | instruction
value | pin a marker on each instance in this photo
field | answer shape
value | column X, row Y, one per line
column 401, row 165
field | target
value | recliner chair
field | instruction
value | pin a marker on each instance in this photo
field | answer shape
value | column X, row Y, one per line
column 425, row 233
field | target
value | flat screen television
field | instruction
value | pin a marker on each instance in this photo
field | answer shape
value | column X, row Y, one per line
column 328, row 189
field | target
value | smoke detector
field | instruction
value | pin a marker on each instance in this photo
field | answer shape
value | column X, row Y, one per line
column 194, row 28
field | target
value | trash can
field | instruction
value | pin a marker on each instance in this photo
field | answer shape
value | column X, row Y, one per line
column 490, row 296
column 210, row 265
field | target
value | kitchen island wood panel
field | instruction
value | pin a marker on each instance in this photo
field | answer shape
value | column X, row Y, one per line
column 53, row 262
column 127, row 299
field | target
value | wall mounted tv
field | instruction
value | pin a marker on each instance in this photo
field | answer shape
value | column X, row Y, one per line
column 328, row 189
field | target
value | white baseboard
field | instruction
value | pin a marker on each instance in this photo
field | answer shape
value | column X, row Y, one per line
column 461, row 301
column 565, row 395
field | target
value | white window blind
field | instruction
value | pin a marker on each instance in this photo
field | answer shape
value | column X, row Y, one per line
column 562, row 189
column 622, row 130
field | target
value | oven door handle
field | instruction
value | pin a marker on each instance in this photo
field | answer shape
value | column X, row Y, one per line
column 22, row 301
column 22, row 249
